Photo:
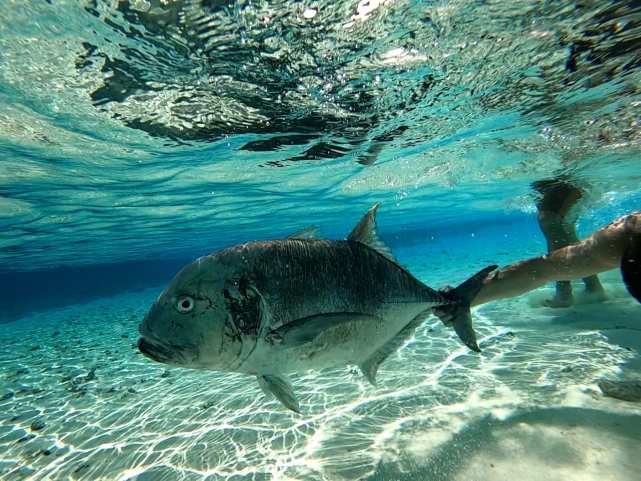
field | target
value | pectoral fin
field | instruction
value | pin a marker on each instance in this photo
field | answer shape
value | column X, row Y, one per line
column 305, row 330
column 281, row 389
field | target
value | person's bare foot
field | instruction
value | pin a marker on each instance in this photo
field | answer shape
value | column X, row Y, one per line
column 563, row 296
column 594, row 291
column 595, row 296
column 558, row 302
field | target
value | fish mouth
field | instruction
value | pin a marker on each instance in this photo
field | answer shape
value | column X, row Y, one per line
column 153, row 351
column 172, row 354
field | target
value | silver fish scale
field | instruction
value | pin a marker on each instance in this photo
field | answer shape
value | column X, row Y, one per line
column 299, row 278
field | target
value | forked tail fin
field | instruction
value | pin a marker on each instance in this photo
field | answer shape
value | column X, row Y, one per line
column 458, row 312
column 631, row 268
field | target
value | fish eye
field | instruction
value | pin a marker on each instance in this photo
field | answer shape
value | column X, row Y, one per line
column 184, row 304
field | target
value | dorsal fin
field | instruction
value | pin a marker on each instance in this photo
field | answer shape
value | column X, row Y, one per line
column 312, row 232
column 365, row 232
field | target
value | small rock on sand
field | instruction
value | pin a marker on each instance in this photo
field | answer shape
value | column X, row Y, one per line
column 6, row 396
column 91, row 375
column 81, row 467
column 38, row 424
column 624, row 390
column 28, row 437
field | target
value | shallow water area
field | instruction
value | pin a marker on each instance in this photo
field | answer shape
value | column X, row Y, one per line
column 80, row 402
column 138, row 135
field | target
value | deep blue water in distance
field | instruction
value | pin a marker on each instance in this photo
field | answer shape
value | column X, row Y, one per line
column 472, row 237
column 139, row 135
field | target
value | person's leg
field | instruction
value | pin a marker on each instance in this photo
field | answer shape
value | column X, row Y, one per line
column 561, row 233
column 594, row 287
column 558, row 197
column 558, row 235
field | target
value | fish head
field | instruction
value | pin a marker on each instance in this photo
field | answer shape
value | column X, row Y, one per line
column 186, row 325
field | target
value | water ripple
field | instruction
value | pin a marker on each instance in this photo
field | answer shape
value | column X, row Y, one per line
column 160, row 115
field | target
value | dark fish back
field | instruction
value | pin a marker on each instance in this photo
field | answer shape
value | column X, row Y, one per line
column 300, row 278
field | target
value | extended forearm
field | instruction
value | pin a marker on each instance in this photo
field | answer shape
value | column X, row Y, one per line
column 600, row 252
column 513, row 280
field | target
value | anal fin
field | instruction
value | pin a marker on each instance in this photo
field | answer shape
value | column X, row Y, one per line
column 279, row 387
column 370, row 366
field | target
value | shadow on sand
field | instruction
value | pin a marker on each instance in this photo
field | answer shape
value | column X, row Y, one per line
column 544, row 444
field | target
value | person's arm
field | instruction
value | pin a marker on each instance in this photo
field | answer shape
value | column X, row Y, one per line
column 602, row 251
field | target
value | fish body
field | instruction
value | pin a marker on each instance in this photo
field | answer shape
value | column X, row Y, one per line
column 270, row 308
column 362, row 298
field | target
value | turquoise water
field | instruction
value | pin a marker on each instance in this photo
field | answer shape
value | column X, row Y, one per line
column 138, row 135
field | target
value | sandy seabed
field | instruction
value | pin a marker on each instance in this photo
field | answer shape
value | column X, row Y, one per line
column 78, row 402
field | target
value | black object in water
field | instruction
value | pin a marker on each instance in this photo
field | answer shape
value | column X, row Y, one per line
column 631, row 268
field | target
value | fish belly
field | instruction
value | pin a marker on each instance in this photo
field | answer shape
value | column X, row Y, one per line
column 348, row 343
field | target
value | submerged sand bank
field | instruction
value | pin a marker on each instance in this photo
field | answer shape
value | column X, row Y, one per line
column 77, row 402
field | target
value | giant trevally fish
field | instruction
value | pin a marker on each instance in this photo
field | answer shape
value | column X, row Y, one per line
column 270, row 308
